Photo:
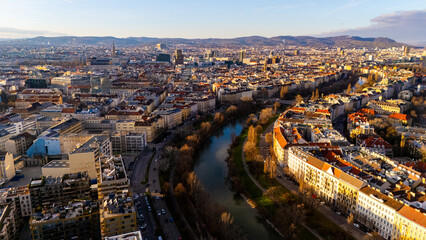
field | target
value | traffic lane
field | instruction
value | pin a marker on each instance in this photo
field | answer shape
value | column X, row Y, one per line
column 170, row 230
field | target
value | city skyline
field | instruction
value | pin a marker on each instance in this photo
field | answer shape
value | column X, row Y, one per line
column 403, row 22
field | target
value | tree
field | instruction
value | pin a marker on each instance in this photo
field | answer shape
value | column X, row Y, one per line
column 250, row 150
column 180, row 189
column 205, row 127
column 349, row 90
column 276, row 106
column 283, row 92
column 350, row 218
column 219, row 118
column 313, row 96
column 373, row 236
column 265, row 115
column 231, row 110
column 251, row 137
column 299, row 99
column 268, row 138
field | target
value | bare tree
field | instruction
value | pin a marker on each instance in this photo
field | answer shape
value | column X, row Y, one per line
column 299, row 99
column 283, row 92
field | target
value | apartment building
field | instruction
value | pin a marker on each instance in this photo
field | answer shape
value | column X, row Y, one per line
column 127, row 142
column 47, row 191
column 112, row 176
column 117, row 215
column 7, row 166
column 19, row 144
column 75, row 220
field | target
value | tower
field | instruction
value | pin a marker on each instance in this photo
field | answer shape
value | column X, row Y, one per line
column 113, row 53
column 241, row 56
column 178, row 56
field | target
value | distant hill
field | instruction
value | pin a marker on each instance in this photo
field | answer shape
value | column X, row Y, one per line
column 338, row 41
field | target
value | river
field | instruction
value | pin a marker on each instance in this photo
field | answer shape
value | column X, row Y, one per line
column 212, row 171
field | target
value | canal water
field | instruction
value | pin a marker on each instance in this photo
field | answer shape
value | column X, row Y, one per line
column 212, row 171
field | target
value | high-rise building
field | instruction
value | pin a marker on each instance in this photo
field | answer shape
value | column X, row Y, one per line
column 162, row 57
column 161, row 46
column 241, row 56
column 178, row 56
column 406, row 50
column 210, row 54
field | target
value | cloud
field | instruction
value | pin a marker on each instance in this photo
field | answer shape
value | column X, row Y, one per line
column 283, row 6
column 8, row 32
column 403, row 26
column 349, row 4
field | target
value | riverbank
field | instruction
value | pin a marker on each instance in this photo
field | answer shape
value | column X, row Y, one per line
column 207, row 218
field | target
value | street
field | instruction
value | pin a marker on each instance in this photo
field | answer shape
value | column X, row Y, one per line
column 152, row 187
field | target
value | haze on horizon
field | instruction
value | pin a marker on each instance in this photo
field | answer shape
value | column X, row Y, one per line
column 403, row 21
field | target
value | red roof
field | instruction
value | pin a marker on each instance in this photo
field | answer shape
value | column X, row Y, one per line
column 399, row 116
column 376, row 142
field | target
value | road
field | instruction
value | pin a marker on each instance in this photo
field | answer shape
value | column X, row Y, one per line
column 325, row 210
column 153, row 188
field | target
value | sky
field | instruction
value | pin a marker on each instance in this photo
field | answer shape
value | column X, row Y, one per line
column 402, row 20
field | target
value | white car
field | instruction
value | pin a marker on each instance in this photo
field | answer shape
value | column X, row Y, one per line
column 356, row 225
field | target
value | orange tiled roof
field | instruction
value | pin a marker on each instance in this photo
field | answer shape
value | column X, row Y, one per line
column 399, row 116
column 413, row 215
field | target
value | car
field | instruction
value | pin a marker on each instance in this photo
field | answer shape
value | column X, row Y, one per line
column 162, row 211
column 338, row 213
column 143, row 227
column 166, row 220
column 322, row 203
column 153, row 180
column 356, row 225
column 149, row 208
column 279, row 176
column 155, row 169
column 158, row 213
column 158, row 198
column 140, row 211
column 147, row 185
column 171, row 220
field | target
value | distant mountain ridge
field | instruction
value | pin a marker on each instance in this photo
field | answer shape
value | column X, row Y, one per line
column 338, row 41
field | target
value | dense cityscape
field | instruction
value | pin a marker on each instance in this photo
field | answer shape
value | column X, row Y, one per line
column 152, row 138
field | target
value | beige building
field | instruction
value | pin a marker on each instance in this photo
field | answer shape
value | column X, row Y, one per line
column 84, row 157
column 117, row 215
column 410, row 224
column 7, row 166
column 19, row 144
column 56, row 168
